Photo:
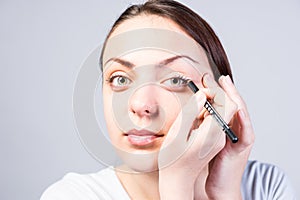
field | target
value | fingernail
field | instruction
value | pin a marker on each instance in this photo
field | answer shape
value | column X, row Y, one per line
column 222, row 78
column 228, row 79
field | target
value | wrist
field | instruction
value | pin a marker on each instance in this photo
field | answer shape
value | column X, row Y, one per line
column 173, row 186
column 226, row 196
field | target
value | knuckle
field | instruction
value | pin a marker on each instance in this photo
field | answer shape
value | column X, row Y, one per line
column 221, row 143
column 234, row 106
column 248, row 140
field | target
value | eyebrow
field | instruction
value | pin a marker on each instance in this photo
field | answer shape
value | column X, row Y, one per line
column 160, row 64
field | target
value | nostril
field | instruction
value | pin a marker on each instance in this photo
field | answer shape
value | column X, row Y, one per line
column 145, row 112
column 141, row 110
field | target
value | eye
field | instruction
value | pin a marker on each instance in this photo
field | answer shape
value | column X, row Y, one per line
column 119, row 80
column 176, row 83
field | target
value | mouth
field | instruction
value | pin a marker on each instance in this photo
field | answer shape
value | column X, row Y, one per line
column 142, row 138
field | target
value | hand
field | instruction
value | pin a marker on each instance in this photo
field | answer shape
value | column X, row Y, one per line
column 229, row 164
column 188, row 151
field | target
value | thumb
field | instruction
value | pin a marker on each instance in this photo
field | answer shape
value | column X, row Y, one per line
column 176, row 141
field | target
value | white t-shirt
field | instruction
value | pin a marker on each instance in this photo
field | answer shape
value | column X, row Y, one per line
column 260, row 182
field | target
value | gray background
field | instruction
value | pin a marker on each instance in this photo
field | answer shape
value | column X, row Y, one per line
column 43, row 43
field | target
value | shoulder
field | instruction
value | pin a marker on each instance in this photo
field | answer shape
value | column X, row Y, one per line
column 265, row 181
column 101, row 185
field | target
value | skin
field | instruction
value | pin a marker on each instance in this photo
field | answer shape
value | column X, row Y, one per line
column 211, row 161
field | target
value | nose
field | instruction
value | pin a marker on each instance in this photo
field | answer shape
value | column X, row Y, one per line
column 143, row 103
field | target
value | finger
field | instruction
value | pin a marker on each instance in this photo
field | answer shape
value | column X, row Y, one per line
column 228, row 86
column 176, row 141
column 208, row 139
column 180, row 129
column 211, row 88
column 242, row 123
column 214, row 91
column 222, row 103
column 246, row 133
column 208, row 81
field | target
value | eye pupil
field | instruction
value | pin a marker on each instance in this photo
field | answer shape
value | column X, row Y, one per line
column 121, row 80
column 175, row 81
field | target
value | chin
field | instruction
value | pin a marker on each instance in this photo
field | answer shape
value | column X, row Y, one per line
column 140, row 160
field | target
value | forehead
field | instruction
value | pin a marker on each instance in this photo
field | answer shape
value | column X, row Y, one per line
column 162, row 40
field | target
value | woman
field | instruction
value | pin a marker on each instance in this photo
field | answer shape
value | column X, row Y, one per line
column 171, row 147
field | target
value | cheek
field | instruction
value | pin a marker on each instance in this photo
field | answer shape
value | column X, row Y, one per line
column 108, row 114
column 107, row 102
column 171, row 105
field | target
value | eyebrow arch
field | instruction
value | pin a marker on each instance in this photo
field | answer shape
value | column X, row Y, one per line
column 160, row 64
column 172, row 59
column 121, row 61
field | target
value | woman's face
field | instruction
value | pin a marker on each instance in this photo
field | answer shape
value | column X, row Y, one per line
column 145, row 89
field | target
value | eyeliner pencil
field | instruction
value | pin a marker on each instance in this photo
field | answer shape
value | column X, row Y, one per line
column 216, row 115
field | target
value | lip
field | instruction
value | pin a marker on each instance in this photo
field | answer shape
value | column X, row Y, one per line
column 142, row 138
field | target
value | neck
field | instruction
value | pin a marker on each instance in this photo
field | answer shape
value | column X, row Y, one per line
column 139, row 185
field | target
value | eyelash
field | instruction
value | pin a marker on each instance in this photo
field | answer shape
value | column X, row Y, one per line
column 111, row 79
column 181, row 77
column 179, row 84
column 116, row 75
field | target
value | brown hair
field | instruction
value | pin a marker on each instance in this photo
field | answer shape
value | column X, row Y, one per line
column 189, row 21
